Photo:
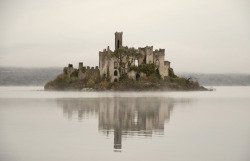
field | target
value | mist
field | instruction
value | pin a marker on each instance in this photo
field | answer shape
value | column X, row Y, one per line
column 199, row 36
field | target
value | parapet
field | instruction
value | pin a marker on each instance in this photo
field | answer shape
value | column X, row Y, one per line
column 118, row 33
column 167, row 63
column 160, row 52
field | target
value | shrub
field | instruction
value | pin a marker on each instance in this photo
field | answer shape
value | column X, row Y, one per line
column 104, row 85
column 123, row 77
column 65, row 70
column 74, row 73
column 83, row 69
column 171, row 73
column 91, row 83
column 148, row 69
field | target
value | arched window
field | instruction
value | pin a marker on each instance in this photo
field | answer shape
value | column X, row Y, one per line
column 115, row 80
column 115, row 73
column 137, row 76
column 157, row 63
column 136, row 62
column 115, row 65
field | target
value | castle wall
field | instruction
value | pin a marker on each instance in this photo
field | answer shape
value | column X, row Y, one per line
column 70, row 70
column 149, row 55
column 104, row 61
column 166, row 68
column 159, row 55
column 84, row 72
column 114, row 72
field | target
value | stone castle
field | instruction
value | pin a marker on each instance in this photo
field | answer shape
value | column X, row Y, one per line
column 122, row 60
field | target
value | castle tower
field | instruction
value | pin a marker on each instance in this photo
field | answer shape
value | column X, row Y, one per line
column 118, row 40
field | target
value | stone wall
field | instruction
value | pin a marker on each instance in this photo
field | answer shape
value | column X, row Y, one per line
column 159, row 56
column 106, row 63
column 84, row 72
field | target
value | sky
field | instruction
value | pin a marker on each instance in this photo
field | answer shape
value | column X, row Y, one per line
column 199, row 36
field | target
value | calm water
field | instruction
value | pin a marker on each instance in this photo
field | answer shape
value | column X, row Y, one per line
column 36, row 125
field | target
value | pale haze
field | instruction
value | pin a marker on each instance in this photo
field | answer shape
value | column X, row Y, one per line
column 211, row 36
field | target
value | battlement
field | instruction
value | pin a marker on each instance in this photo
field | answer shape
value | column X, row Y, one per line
column 160, row 52
column 167, row 63
column 88, row 68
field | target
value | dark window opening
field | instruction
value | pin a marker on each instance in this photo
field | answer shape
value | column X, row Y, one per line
column 115, row 80
column 137, row 76
column 157, row 71
column 118, row 44
column 115, row 73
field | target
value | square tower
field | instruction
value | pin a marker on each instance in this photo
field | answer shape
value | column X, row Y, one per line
column 118, row 40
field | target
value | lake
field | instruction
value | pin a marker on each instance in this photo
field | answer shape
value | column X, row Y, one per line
column 37, row 125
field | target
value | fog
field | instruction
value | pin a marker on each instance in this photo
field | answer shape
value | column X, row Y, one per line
column 199, row 36
column 14, row 76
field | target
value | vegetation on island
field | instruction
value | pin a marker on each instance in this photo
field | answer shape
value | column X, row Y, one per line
column 15, row 76
column 152, row 81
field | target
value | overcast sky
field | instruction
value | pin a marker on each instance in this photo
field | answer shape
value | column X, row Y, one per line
column 205, row 36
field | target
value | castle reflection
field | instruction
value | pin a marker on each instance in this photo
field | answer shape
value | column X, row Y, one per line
column 122, row 116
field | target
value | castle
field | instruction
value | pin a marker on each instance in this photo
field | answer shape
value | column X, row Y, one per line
column 112, row 64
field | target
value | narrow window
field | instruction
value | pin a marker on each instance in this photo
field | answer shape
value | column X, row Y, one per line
column 137, row 76
column 115, row 73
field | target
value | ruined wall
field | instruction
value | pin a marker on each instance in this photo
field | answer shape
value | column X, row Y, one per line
column 104, row 59
column 87, row 72
column 114, row 70
column 159, row 56
column 132, row 74
column 166, row 67
column 107, row 64
column 70, row 69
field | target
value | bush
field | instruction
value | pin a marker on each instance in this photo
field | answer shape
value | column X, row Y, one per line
column 123, row 77
column 65, row 70
column 74, row 73
column 104, row 85
column 171, row 73
column 148, row 69
column 91, row 83
column 83, row 69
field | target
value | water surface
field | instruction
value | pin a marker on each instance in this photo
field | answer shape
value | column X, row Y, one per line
column 191, row 126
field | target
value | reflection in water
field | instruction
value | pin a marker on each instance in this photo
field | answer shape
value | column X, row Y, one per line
column 122, row 116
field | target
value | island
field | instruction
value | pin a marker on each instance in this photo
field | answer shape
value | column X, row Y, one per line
column 124, row 69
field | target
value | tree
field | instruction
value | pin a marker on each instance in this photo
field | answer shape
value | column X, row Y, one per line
column 129, row 55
